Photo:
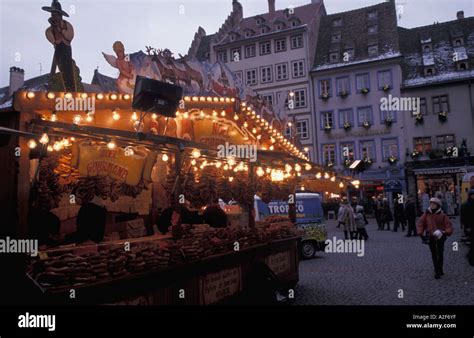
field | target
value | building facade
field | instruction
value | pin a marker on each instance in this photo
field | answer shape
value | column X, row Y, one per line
column 272, row 53
column 438, row 70
column 356, row 70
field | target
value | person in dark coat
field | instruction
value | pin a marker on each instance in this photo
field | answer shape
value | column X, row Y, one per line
column 387, row 216
column 378, row 212
column 90, row 223
column 467, row 220
column 410, row 213
column 399, row 215
column 215, row 216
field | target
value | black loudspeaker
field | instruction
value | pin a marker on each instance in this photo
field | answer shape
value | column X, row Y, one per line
column 156, row 96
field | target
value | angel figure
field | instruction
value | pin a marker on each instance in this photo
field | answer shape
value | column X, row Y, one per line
column 126, row 79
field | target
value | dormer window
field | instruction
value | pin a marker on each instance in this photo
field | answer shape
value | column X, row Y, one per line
column 232, row 37
column 263, row 30
column 462, row 66
column 429, row 71
column 335, row 38
column 373, row 50
column 337, row 22
column 279, row 27
column 372, row 15
column 373, row 29
column 294, row 24
column 427, row 48
column 334, row 57
column 248, row 34
column 259, row 21
column 458, row 42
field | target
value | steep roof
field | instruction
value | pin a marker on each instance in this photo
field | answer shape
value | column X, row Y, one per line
column 104, row 82
column 204, row 49
column 353, row 28
column 440, row 36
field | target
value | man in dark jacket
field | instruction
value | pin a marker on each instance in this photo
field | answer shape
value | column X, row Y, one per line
column 410, row 213
column 215, row 216
column 467, row 219
column 398, row 215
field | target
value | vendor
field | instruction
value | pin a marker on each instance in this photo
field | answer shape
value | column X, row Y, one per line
column 215, row 216
column 90, row 223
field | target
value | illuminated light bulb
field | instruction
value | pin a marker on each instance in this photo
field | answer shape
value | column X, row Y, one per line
column 341, row 185
column 259, row 137
column 326, row 175
column 327, row 193
column 204, row 164
column 115, row 115
column 154, row 116
column 231, row 161
column 77, row 119
column 232, row 99
column 246, row 124
column 113, row 97
column 209, row 99
column 57, row 146
column 221, row 99
column 193, row 162
column 72, row 139
column 236, row 117
column 218, row 165
column 272, row 140
column 260, row 172
column 333, row 179
column 254, row 130
column 50, row 148
column 288, row 168
column 243, row 104
column 84, row 95
column 165, row 158
column 356, row 186
column 290, row 124
column 187, row 98
column 195, row 168
column 297, row 167
column 44, row 139
column 216, row 99
column 227, row 99
column 306, row 149
column 30, row 95
column 68, row 95
column 50, row 96
column 318, row 175
column 126, row 97
column 89, row 118
column 231, row 179
column 226, row 167
column 54, row 117
column 202, row 99
column 356, row 182
column 223, row 113
column 186, row 115
column 134, row 116
column 308, row 167
column 32, row 144
column 196, row 153
column 214, row 113
column 201, row 113
column 99, row 96
column 111, row 145
column 292, row 94
column 302, row 188
column 271, row 147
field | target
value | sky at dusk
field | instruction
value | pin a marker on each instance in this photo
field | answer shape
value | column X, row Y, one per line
column 159, row 23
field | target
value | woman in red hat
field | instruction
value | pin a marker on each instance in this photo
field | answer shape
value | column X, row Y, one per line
column 438, row 226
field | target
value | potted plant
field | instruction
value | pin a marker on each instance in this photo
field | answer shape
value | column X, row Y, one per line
column 388, row 121
column 330, row 164
column 386, row 88
column 327, row 127
column 449, row 151
column 392, row 159
column 343, row 93
column 366, row 124
column 365, row 91
column 347, row 163
column 443, row 116
column 325, row 96
column 367, row 161
column 419, row 119
column 415, row 154
column 347, row 125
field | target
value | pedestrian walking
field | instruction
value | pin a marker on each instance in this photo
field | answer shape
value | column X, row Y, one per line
column 398, row 215
column 387, row 216
column 410, row 213
column 378, row 212
column 467, row 220
column 361, row 222
column 346, row 218
column 437, row 226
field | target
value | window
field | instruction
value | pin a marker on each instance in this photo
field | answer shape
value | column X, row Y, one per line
column 248, row 34
column 372, row 15
column 440, row 104
column 259, row 21
column 297, row 68
column 300, row 98
column 362, row 82
column 280, row 45
column 266, row 74
column 367, row 150
column 389, row 148
column 263, row 30
column 294, row 24
column 337, row 22
column 335, row 38
column 426, row 48
column 373, row 50
column 385, row 114
column 384, row 78
column 346, row 116
column 462, row 66
column 302, row 129
column 429, row 71
column 334, row 57
column 445, row 141
column 325, row 87
column 347, row 151
column 373, row 29
column 458, row 42
column 236, row 56
column 250, row 51
column 232, row 37
column 423, row 106
column 422, row 145
column 222, row 56
column 268, row 98
column 364, row 114
column 327, row 120
column 343, row 86
column 251, row 77
column 265, row 48
column 279, row 27
column 282, row 71
column 329, row 154
column 297, row 41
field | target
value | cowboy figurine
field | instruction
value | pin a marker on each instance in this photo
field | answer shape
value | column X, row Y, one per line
column 60, row 34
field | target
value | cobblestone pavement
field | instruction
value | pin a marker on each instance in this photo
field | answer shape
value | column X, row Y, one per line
column 392, row 263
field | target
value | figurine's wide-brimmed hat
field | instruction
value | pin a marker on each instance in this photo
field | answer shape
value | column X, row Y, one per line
column 55, row 8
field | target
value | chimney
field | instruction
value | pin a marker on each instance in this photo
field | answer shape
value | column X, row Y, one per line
column 271, row 7
column 17, row 79
column 460, row 15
